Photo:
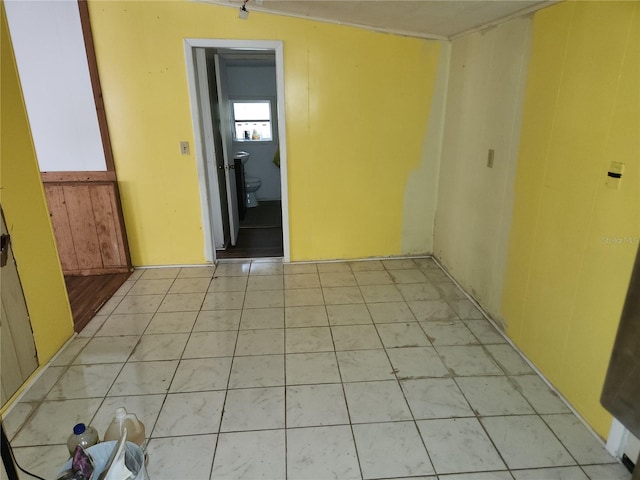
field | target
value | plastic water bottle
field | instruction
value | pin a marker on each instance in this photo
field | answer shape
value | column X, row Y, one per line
column 83, row 435
column 122, row 420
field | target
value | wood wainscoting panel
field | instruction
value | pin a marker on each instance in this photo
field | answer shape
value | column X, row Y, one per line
column 61, row 227
column 86, row 222
column 112, row 251
column 83, row 226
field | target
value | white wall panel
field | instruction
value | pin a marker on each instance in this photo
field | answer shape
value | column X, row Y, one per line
column 484, row 103
column 52, row 63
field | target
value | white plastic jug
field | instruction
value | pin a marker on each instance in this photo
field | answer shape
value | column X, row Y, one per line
column 122, row 420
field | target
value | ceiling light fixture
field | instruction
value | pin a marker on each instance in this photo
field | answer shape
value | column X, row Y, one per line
column 243, row 12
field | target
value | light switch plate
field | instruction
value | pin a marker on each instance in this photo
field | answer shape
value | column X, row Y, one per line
column 184, row 148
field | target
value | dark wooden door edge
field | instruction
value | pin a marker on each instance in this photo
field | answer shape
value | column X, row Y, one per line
column 85, row 22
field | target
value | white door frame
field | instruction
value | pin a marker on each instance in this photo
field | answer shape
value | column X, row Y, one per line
column 196, row 116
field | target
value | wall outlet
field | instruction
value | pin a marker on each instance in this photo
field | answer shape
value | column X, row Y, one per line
column 490, row 156
column 184, row 148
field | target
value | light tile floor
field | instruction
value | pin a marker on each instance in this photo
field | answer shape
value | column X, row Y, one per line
column 360, row 370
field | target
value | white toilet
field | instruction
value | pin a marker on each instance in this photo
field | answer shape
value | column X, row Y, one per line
column 251, row 184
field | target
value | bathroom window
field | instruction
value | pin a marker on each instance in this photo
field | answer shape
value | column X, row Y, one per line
column 252, row 121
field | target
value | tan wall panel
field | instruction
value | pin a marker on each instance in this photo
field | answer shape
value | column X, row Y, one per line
column 486, row 84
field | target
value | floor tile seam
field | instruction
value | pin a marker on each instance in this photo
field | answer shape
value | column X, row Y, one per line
column 112, row 383
column 394, row 322
column 189, row 291
column 254, row 430
column 106, row 395
column 517, row 387
column 173, row 279
column 393, row 369
column 404, row 296
column 209, row 275
column 309, row 427
column 421, row 329
column 224, row 292
column 497, row 362
column 472, row 320
column 511, row 382
column 122, row 364
column 155, row 421
column 493, row 444
column 407, row 403
column 457, row 320
column 39, row 445
column 596, row 464
column 580, row 467
column 528, row 415
column 484, row 349
column 128, row 295
column 37, row 403
column 417, row 418
column 325, row 351
column 467, row 416
column 286, row 440
column 104, row 314
column 256, row 355
column 173, row 377
column 200, row 434
column 557, row 436
column 346, row 403
column 226, row 394
column 446, row 475
column 265, row 290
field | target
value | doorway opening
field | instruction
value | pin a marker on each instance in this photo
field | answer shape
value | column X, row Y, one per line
column 238, row 112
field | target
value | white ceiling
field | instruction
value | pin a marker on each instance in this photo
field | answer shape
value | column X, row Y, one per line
column 439, row 19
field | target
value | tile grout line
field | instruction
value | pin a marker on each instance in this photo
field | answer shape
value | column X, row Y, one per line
column 226, row 391
column 344, row 393
column 395, row 374
column 286, row 435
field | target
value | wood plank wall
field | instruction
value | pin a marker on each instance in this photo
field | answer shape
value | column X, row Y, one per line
column 86, row 221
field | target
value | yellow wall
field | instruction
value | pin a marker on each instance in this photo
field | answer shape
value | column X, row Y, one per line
column 573, row 240
column 26, row 214
column 357, row 104
column 484, row 107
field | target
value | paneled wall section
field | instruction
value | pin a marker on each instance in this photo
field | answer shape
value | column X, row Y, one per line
column 84, row 213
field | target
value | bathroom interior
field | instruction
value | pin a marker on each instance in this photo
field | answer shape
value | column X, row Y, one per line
column 247, row 95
